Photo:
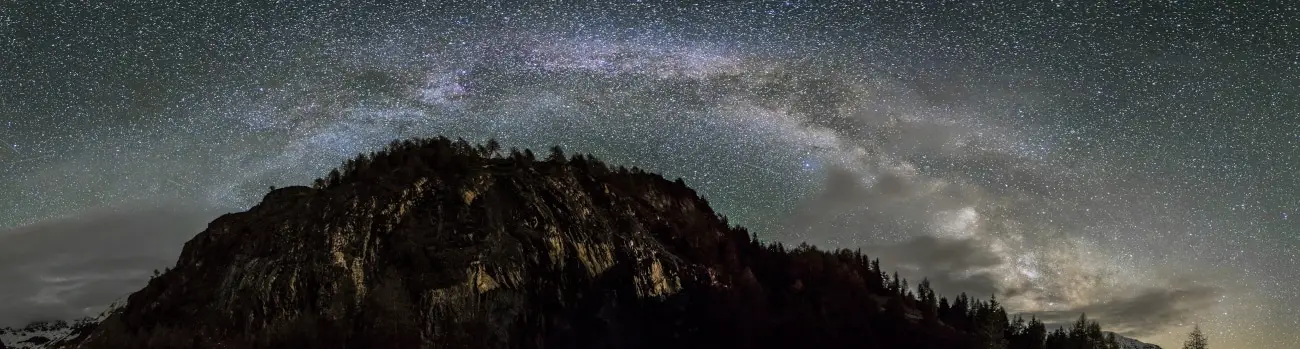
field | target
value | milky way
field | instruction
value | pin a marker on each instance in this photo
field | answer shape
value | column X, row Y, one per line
column 1136, row 163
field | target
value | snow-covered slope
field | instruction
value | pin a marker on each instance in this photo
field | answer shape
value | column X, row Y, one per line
column 1130, row 343
column 40, row 334
column 34, row 335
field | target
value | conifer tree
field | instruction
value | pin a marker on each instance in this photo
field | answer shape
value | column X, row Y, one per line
column 1058, row 339
column 333, row 178
column 991, row 328
column 1196, row 340
column 557, row 155
column 493, row 147
column 894, row 285
column 1095, row 338
column 1077, row 336
column 929, row 305
column 957, row 315
column 1035, row 334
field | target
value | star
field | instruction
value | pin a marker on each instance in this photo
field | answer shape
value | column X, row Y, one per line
column 1089, row 154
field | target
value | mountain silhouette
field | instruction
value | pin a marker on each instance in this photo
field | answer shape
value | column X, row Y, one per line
column 440, row 243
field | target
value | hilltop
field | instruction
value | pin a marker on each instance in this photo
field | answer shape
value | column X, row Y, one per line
column 439, row 243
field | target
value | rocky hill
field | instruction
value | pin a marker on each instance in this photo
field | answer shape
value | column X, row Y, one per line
column 434, row 243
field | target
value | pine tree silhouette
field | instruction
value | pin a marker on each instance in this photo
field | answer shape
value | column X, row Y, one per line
column 1196, row 340
column 1035, row 334
column 557, row 155
column 493, row 147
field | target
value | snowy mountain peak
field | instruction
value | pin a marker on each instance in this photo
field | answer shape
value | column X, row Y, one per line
column 1130, row 343
column 36, row 334
column 42, row 334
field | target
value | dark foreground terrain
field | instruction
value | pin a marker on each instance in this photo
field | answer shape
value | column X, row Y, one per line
column 435, row 243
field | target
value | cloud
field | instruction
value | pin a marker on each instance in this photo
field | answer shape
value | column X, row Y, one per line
column 1144, row 312
column 966, row 238
column 70, row 268
column 952, row 265
column 967, row 265
column 897, row 216
column 891, row 204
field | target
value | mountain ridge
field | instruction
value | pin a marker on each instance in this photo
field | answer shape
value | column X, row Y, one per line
column 440, row 242
column 1131, row 343
column 47, row 334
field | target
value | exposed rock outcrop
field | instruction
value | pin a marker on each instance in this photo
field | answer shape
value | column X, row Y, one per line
column 436, row 244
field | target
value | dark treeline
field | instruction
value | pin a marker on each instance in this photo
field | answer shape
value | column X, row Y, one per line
column 752, row 294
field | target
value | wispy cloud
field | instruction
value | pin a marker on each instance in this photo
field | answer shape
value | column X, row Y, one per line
column 73, row 267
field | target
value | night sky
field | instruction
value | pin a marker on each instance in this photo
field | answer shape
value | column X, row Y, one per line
column 1137, row 162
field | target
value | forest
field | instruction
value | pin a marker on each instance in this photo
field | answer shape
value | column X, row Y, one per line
column 776, row 296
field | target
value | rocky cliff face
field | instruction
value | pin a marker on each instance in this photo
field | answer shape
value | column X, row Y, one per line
column 492, row 253
column 437, row 244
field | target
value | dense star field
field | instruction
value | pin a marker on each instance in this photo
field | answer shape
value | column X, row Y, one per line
column 1138, row 163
